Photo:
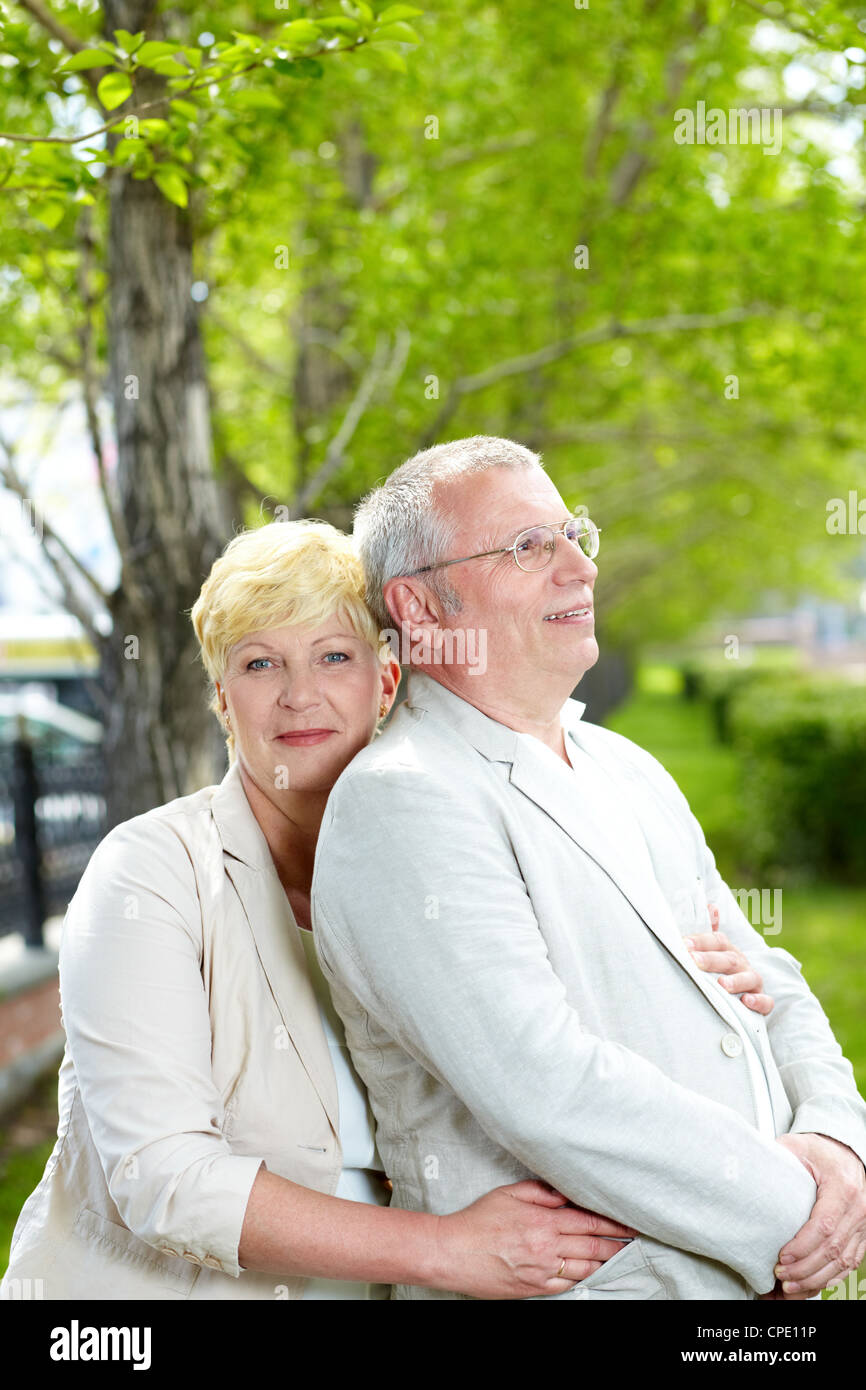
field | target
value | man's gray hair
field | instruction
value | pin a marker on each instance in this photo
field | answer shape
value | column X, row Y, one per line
column 399, row 528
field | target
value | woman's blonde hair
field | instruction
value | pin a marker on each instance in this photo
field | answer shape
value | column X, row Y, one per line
column 278, row 575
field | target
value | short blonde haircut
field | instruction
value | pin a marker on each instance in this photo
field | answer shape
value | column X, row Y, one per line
column 283, row 574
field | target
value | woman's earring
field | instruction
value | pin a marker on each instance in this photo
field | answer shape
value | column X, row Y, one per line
column 383, row 710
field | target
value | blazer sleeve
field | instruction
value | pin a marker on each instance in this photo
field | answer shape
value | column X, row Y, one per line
column 451, row 962
column 138, row 1027
column 818, row 1079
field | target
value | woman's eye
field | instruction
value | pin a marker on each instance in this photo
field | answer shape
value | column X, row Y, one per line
column 343, row 655
column 254, row 664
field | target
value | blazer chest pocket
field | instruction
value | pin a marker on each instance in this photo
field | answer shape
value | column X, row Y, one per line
column 112, row 1263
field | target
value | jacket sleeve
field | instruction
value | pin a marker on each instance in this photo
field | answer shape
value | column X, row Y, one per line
column 138, row 1027
column 451, row 962
column 818, row 1078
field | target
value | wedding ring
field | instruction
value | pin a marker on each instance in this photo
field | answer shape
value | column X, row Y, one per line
column 558, row 1274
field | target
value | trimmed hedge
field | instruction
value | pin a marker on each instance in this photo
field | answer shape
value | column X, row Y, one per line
column 803, row 745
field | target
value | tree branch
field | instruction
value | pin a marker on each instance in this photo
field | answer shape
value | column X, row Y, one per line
column 336, row 450
column 71, row 42
column 55, row 27
column 453, row 158
column 787, row 22
column 198, row 83
column 11, row 479
column 554, row 352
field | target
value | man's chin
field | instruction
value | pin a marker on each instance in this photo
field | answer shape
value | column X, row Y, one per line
column 584, row 659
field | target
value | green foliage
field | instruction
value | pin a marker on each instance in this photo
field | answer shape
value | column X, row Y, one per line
column 436, row 209
column 803, row 744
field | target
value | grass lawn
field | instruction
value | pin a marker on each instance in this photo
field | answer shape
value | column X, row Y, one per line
column 25, row 1145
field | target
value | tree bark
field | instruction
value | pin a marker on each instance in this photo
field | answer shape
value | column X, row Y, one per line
column 160, row 742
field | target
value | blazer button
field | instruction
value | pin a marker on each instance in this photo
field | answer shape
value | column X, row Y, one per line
column 732, row 1045
column 167, row 1250
column 188, row 1255
column 212, row 1262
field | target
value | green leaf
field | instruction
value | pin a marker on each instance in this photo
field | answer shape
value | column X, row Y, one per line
column 251, row 42
column 170, row 182
column 300, row 67
column 386, row 57
column 126, row 150
column 400, row 32
column 155, row 129
column 150, row 52
column 49, row 213
column 170, row 67
column 233, row 52
column 113, row 90
column 398, row 12
column 193, row 57
column 358, row 9
column 256, row 99
column 87, row 58
column 300, row 32
column 340, row 23
column 186, row 108
column 128, row 42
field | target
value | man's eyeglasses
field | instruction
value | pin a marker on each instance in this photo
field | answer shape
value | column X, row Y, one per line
column 534, row 548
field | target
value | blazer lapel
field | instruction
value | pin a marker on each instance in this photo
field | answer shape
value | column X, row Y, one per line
column 248, row 863
column 551, row 784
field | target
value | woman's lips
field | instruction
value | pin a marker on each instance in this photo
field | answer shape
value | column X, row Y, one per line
column 305, row 736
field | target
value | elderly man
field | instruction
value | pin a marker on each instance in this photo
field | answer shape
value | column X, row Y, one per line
column 497, row 903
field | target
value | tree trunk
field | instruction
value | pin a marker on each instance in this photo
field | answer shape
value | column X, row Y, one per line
column 160, row 742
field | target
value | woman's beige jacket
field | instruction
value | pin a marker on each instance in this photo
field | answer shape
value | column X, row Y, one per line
column 195, row 1052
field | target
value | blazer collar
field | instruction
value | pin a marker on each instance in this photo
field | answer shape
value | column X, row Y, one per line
column 248, row 863
column 541, row 775
column 496, row 741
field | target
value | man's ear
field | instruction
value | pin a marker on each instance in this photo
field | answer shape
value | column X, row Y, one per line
column 409, row 601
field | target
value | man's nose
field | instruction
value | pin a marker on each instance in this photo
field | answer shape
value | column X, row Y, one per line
column 569, row 562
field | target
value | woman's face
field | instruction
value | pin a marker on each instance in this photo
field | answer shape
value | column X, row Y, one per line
column 302, row 701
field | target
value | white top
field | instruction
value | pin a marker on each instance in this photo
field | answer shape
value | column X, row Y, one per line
column 616, row 818
column 361, row 1160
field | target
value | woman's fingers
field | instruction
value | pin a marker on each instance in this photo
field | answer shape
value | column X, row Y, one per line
column 743, row 982
column 574, row 1271
column 722, row 962
column 709, row 941
column 759, row 1003
column 575, row 1221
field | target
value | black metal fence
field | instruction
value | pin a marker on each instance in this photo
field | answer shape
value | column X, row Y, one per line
column 52, row 816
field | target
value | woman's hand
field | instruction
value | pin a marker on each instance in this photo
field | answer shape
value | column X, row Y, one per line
column 712, row 951
column 513, row 1240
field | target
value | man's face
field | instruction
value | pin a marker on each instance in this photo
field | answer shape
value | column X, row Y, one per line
column 528, row 650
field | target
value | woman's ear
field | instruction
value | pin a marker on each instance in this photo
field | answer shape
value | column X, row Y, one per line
column 391, row 675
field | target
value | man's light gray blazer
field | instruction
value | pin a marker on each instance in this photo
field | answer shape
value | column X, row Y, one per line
column 518, row 1000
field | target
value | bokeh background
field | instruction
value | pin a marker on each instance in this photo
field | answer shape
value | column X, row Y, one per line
column 254, row 255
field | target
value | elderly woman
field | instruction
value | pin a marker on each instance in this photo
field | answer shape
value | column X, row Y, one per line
column 214, row 1141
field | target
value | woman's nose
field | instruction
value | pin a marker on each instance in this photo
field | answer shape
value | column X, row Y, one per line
column 299, row 692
